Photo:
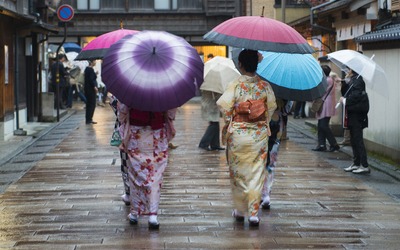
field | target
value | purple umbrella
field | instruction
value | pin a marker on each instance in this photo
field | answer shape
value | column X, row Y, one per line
column 152, row 71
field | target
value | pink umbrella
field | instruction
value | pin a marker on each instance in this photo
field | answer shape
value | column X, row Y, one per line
column 259, row 33
column 98, row 47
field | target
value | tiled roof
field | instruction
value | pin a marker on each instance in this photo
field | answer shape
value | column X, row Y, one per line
column 390, row 32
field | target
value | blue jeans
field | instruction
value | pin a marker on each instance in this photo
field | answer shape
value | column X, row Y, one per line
column 71, row 94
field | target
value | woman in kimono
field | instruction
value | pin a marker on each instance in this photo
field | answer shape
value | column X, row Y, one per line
column 247, row 140
column 145, row 136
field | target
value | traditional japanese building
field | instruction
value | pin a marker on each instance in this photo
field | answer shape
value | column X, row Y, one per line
column 24, row 31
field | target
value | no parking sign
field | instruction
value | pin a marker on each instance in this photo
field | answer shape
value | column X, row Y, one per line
column 65, row 12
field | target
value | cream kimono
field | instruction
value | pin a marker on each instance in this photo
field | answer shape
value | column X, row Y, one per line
column 247, row 143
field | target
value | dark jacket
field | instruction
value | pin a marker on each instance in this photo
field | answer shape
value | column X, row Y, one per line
column 357, row 102
column 90, row 80
column 62, row 71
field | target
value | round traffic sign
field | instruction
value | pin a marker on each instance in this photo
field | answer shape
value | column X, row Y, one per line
column 65, row 12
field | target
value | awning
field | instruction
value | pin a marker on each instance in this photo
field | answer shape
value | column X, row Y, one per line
column 29, row 22
column 39, row 27
column 390, row 32
column 359, row 3
column 331, row 6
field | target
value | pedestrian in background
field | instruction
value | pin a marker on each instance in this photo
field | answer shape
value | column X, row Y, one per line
column 59, row 81
column 210, row 112
column 123, row 155
column 247, row 138
column 299, row 110
column 90, row 91
column 73, row 80
column 277, row 126
column 145, row 140
column 356, row 104
column 324, row 115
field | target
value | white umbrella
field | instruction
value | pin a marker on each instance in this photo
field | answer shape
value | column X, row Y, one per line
column 218, row 73
column 372, row 73
column 71, row 59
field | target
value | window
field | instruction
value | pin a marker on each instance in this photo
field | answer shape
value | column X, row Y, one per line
column 190, row 4
column 291, row 2
column 140, row 4
column 165, row 4
column 113, row 4
column 88, row 4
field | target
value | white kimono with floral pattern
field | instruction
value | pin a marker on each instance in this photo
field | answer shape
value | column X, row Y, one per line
column 147, row 159
column 247, row 143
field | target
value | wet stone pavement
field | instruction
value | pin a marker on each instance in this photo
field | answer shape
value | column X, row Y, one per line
column 70, row 197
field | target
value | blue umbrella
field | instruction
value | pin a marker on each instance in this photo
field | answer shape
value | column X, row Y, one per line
column 72, row 47
column 296, row 77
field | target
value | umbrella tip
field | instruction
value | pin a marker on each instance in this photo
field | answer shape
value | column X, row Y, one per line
column 262, row 12
column 154, row 50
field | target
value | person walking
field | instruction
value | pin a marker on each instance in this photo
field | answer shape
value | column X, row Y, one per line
column 145, row 140
column 59, row 80
column 356, row 104
column 276, row 126
column 74, row 76
column 324, row 115
column 246, row 134
column 90, row 91
column 123, row 155
column 210, row 112
column 299, row 110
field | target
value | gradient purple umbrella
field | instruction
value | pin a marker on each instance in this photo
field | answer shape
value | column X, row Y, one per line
column 152, row 71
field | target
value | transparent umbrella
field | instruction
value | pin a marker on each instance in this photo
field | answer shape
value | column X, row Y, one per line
column 373, row 74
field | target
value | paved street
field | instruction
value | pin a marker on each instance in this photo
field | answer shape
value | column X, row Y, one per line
column 70, row 199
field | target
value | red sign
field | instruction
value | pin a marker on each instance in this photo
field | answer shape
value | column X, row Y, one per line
column 65, row 13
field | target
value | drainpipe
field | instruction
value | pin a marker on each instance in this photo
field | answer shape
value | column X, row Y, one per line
column 313, row 25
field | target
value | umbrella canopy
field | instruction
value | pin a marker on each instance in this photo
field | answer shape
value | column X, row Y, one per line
column 97, row 48
column 73, row 63
column 52, row 50
column 295, row 77
column 72, row 47
column 152, row 71
column 259, row 33
column 372, row 73
column 218, row 72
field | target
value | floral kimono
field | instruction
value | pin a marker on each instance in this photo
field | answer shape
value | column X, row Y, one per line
column 247, row 142
column 147, row 150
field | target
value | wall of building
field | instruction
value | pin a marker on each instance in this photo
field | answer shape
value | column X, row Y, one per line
column 383, row 133
column 257, row 5
column 291, row 14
